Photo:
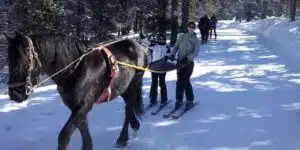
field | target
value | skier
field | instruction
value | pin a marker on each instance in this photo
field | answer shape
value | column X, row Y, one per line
column 159, row 51
column 213, row 27
column 204, row 26
column 187, row 47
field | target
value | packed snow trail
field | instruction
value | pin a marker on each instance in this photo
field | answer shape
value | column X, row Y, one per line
column 248, row 99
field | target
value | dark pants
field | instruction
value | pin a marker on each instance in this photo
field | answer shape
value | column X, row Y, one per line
column 183, row 84
column 204, row 35
column 162, row 83
column 213, row 28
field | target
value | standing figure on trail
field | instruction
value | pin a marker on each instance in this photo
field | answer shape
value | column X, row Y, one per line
column 204, row 26
column 213, row 26
column 187, row 47
column 159, row 51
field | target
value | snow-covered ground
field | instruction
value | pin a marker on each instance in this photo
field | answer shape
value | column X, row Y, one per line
column 248, row 91
column 281, row 35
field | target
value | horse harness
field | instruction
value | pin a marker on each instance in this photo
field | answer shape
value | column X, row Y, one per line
column 114, row 73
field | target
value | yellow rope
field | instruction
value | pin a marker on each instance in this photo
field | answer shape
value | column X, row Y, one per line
column 150, row 70
column 141, row 68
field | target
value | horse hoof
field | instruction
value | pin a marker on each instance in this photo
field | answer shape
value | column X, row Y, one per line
column 121, row 144
column 136, row 126
column 135, row 129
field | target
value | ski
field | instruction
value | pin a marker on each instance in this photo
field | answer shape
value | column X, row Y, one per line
column 160, row 108
column 149, row 106
column 172, row 112
column 184, row 111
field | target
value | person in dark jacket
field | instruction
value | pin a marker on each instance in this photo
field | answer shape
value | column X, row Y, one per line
column 159, row 51
column 204, row 26
column 187, row 49
column 213, row 26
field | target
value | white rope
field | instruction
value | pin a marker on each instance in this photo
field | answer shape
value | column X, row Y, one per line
column 100, row 46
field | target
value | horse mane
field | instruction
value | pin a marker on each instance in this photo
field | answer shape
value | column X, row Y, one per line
column 58, row 49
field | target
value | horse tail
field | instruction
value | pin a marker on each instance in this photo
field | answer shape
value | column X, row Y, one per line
column 138, row 106
column 141, row 61
column 137, row 83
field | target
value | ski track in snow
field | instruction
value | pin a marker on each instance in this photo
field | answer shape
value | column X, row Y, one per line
column 248, row 95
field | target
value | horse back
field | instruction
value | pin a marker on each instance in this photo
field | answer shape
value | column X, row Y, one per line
column 96, row 70
column 129, row 51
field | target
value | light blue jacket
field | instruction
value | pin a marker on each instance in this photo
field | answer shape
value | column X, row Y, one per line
column 187, row 45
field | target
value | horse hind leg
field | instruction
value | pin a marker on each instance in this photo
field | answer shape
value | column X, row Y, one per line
column 123, row 138
column 133, row 107
column 136, row 101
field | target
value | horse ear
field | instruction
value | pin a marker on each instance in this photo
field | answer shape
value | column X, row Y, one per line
column 8, row 37
column 19, row 34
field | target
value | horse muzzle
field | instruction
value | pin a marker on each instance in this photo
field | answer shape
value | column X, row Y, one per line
column 17, row 96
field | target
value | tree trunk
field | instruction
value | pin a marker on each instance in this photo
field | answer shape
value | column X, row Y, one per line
column 264, row 9
column 278, row 9
column 80, row 24
column 201, row 10
column 192, row 10
column 162, row 4
column 136, row 22
column 238, row 14
column 140, row 23
column 174, row 24
column 293, row 6
column 248, row 12
column 185, row 14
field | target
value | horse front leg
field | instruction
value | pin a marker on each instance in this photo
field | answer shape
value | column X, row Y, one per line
column 76, row 120
column 65, row 133
column 87, row 142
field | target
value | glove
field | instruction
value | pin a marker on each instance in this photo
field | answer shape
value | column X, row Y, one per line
column 185, row 59
column 166, row 58
column 171, row 57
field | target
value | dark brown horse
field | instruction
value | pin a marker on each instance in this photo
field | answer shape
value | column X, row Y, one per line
column 79, row 86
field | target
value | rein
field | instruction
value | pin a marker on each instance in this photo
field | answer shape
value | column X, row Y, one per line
column 78, row 60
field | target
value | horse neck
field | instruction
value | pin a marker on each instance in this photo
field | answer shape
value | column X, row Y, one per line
column 55, row 59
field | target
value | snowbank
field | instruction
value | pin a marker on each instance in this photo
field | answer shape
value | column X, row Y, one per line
column 280, row 33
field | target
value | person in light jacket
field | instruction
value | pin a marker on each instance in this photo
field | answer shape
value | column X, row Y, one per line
column 159, row 51
column 187, row 49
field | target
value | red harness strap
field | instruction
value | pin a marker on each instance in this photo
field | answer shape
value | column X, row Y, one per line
column 114, row 69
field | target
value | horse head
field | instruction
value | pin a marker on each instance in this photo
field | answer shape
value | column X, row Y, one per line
column 23, row 66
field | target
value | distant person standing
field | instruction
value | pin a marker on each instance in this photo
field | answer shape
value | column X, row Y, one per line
column 204, row 26
column 213, row 26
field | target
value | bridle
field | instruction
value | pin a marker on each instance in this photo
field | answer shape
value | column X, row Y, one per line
column 32, row 56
